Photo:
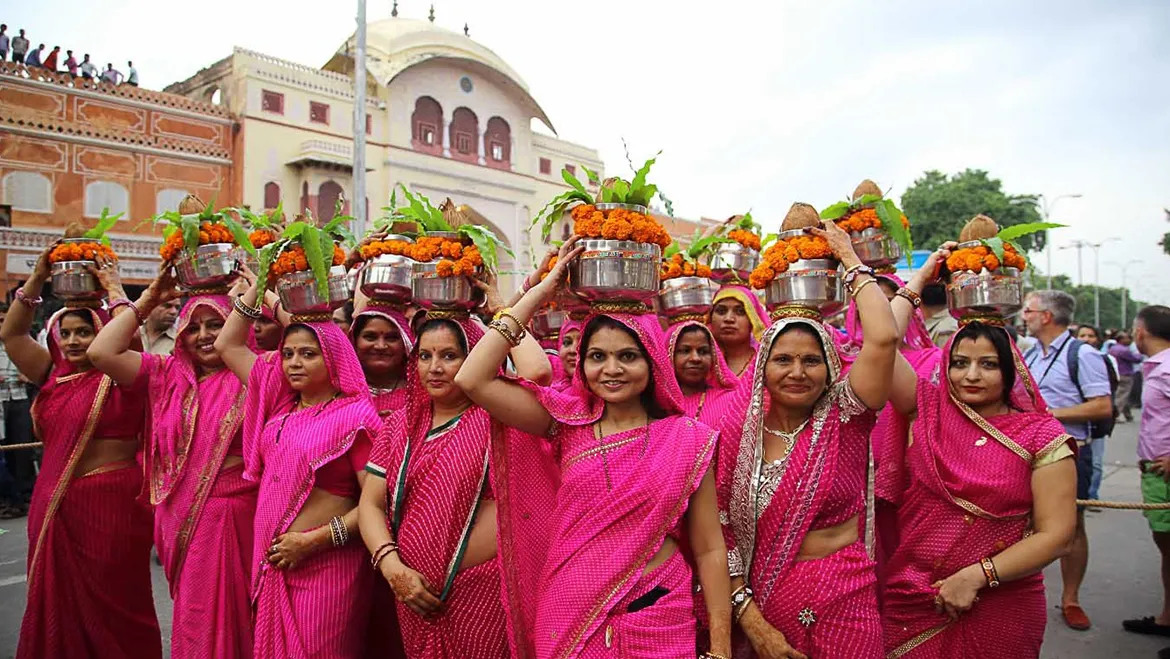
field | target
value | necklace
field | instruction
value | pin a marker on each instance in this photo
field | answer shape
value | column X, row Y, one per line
column 789, row 437
column 702, row 401
column 604, row 450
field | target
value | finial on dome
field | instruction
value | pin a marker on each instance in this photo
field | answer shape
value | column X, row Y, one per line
column 431, row 18
column 466, row 30
column 394, row 9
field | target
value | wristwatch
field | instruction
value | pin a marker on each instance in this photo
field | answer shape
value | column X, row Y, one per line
column 859, row 269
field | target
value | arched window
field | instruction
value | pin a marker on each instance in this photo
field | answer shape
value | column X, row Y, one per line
column 327, row 196
column 169, row 199
column 29, row 191
column 465, row 135
column 271, row 195
column 426, row 126
column 497, row 143
column 101, row 195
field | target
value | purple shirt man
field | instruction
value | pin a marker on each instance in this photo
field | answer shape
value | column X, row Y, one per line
column 1154, row 434
column 1127, row 359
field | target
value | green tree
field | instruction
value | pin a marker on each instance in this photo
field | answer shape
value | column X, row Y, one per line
column 1166, row 237
column 938, row 206
column 1111, row 299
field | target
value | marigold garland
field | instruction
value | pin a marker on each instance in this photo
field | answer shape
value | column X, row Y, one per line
column 293, row 260
column 455, row 258
column 745, row 238
column 864, row 218
column 261, row 237
column 975, row 259
column 209, row 233
column 677, row 266
column 618, row 224
column 783, row 253
column 80, row 252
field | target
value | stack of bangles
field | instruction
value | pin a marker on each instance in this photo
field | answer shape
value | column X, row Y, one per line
column 739, row 602
column 498, row 324
column 384, row 550
column 910, row 296
column 338, row 531
column 251, row 313
column 123, row 302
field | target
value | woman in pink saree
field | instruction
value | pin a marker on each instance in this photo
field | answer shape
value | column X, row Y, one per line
column 984, row 497
column 568, row 341
column 306, row 441
column 428, row 511
column 89, row 534
column 793, row 482
column 203, row 507
column 702, row 375
column 593, row 485
column 737, row 321
column 382, row 339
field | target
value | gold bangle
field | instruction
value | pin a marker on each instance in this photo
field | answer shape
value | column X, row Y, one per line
column 505, row 332
column 861, row 286
column 506, row 312
column 910, row 296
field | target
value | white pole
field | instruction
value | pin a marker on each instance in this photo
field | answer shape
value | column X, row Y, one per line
column 359, row 124
column 1097, row 285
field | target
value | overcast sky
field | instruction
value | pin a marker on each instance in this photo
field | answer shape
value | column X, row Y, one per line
column 759, row 104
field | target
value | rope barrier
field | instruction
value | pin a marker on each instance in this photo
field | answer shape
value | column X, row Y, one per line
column 1122, row 505
column 15, row 447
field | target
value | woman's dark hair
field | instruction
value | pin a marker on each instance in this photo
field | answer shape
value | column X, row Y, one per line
column 999, row 338
column 79, row 314
column 1096, row 332
column 649, row 402
column 360, row 322
column 694, row 329
column 801, row 327
column 433, row 324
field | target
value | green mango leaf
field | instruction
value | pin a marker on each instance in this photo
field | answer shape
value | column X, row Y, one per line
column 621, row 192
column 573, row 182
column 639, row 181
column 704, row 246
column 190, row 226
column 671, row 250
column 866, row 199
column 266, row 256
column 667, row 204
column 104, row 224
column 310, row 240
column 294, row 230
column 767, row 240
column 891, row 218
column 487, row 242
column 239, row 233
column 591, row 175
column 836, row 211
column 1017, row 231
column 995, row 244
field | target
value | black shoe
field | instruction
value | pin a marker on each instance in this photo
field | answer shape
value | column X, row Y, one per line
column 1146, row 625
column 1164, row 653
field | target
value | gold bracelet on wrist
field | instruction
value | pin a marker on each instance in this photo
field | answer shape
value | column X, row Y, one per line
column 857, row 290
column 500, row 327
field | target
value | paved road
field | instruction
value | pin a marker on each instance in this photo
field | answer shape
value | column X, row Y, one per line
column 1122, row 582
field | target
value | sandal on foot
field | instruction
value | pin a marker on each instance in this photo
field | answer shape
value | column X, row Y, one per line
column 1074, row 617
column 1146, row 625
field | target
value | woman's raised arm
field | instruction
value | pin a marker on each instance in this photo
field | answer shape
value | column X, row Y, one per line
column 507, row 401
column 30, row 358
column 111, row 351
column 904, row 392
column 232, row 342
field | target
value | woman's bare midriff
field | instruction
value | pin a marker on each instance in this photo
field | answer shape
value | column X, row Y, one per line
column 825, row 542
column 319, row 508
column 481, row 545
column 231, row 462
column 101, row 452
column 669, row 546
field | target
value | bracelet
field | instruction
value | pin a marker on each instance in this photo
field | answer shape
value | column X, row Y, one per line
column 125, row 302
column 339, row 533
column 388, row 543
column 506, row 312
column 31, row 304
column 384, row 550
column 910, row 296
column 738, row 611
column 741, row 595
column 989, row 572
column 859, row 269
column 861, row 286
column 251, row 313
column 500, row 327
column 714, row 655
column 378, row 560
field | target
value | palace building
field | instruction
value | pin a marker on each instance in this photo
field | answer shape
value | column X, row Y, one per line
column 446, row 117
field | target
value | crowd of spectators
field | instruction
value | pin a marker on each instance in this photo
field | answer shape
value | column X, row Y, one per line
column 19, row 47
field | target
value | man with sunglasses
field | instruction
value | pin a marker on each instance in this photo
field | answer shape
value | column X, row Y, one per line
column 1074, row 381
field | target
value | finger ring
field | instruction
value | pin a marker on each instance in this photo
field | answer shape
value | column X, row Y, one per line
column 272, row 549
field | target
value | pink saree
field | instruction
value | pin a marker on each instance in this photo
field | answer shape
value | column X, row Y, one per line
column 961, row 490
column 707, row 406
column 825, row 607
column 580, row 517
column 203, row 514
column 756, row 313
column 561, row 379
column 321, row 607
column 436, row 482
column 89, row 535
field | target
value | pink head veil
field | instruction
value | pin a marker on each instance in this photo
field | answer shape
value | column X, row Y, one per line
column 721, row 375
column 61, row 365
column 756, row 312
column 578, row 406
column 917, row 336
column 418, row 402
column 390, row 314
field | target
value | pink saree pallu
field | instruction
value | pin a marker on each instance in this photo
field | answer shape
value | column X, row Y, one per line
column 320, row 608
column 580, row 518
column 960, row 490
column 89, row 534
column 825, row 607
column 203, row 514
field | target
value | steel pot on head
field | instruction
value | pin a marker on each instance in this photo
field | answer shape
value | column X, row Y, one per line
column 686, row 295
column 616, row 271
column 299, row 294
column 214, row 264
column 430, row 291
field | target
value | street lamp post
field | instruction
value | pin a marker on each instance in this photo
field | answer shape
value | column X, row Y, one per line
column 1046, row 211
column 1096, row 247
column 359, row 124
column 1124, row 288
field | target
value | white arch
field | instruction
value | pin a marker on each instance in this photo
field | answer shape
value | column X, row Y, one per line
column 100, row 195
column 168, row 199
column 28, row 191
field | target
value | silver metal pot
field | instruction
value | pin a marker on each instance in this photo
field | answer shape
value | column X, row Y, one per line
column 387, row 277
column 430, row 291
column 814, row 283
column 298, row 291
column 629, row 207
column 733, row 263
column 214, row 264
column 686, row 295
column 72, row 281
column 876, row 248
column 999, row 292
column 616, row 270
column 547, row 323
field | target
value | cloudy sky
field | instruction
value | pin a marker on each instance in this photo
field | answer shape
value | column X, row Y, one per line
column 759, row 104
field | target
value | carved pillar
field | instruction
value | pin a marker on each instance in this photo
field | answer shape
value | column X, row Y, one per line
column 445, row 129
column 480, row 146
column 512, row 154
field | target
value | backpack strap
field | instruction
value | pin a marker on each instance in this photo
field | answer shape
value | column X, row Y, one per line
column 1074, row 363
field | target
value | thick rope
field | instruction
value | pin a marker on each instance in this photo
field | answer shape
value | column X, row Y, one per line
column 1122, row 505
column 16, row 447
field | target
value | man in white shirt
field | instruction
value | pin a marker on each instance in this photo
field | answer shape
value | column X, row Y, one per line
column 158, row 333
column 88, row 70
column 132, row 76
column 111, row 75
column 19, row 47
